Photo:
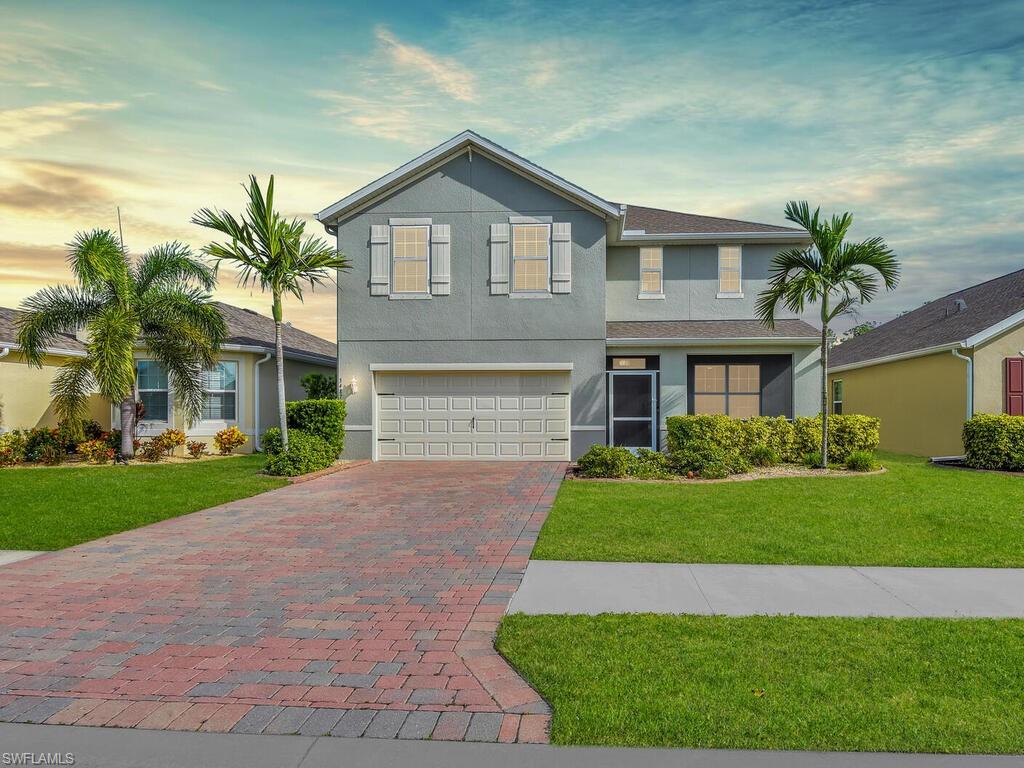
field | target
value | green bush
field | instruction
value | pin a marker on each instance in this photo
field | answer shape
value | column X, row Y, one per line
column 306, row 453
column 270, row 443
column 43, row 442
column 773, row 432
column 851, row 432
column 605, row 461
column 323, row 418
column 12, row 448
column 994, row 441
column 319, row 387
column 714, row 470
column 698, row 442
column 811, row 459
column 763, row 456
column 861, row 461
column 651, row 465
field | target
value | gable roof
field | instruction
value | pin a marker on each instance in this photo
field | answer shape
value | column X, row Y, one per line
column 454, row 146
column 991, row 308
column 787, row 329
column 246, row 329
column 657, row 221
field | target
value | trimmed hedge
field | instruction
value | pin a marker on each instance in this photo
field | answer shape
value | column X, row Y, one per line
column 611, row 461
column 712, row 443
column 306, row 453
column 994, row 441
column 322, row 418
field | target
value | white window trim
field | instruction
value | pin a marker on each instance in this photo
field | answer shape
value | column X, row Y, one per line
column 218, row 424
column 407, row 224
column 730, row 294
column 641, row 293
column 513, row 291
column 148, row 427
column 833, row 394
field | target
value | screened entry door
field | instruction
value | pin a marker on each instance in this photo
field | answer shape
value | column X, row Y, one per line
column 632, row 396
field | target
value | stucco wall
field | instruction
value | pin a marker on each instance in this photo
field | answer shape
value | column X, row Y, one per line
column 294, row 370
column 25, row 400
column 921, row 402
column 690, row 284
column 673, row 380
column 989, row 373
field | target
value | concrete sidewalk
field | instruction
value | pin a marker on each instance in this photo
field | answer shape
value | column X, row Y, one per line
column 129, row 748
column 551, row 586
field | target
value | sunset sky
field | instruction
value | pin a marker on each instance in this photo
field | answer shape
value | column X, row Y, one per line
column 909, row 114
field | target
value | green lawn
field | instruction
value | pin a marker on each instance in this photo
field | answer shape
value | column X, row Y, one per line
column 916, row 685
column 52, row 508
column 915, row 514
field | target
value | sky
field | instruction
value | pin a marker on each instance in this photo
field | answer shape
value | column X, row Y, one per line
column 908, row 114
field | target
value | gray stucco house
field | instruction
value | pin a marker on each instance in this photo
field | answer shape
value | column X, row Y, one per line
column 497, row 311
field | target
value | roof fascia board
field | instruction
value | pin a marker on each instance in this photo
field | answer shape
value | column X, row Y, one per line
column 471, row 367
column 288, row 354
column 57, row 351
column 409, row 172
column 716, row 237
column 897, row 357
column 681, row 341
column 995, row 330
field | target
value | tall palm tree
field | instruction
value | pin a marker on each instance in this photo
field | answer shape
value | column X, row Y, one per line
column 831, row 272
column 161, row 301
column 272, row 252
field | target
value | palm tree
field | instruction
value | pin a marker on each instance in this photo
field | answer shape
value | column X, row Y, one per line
column 271, row 251
column 830, row 272
column 162, row 301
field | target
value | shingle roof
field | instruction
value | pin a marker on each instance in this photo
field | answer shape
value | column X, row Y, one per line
column 939, row 322
column 245, row 327
column 709, row 329
column 9, row 333
column 656, row 221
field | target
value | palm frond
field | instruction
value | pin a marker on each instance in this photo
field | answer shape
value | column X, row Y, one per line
column 99, row 262
column 184, row 365
column 70, row 388
column 58, row 309
column 112, row 337
column 170, row 265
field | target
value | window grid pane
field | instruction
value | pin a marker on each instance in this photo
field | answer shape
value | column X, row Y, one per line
column 729, row 265
column 530, row 253
column 531, row 275
column 745, row 379
column 410, row 247
column 709, row 404
column 650, row 281
column 734, row 390
column 709, row 378
column 410, row 276
column 744, row 406
column 155, row 404
column 650, row 258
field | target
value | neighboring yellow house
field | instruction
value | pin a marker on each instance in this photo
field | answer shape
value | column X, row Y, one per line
column 924, row 373
column 241, row 390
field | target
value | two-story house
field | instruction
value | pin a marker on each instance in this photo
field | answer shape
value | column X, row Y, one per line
column 495, row 310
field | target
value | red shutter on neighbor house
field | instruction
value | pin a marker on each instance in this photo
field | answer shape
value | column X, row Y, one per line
column 1015, row 386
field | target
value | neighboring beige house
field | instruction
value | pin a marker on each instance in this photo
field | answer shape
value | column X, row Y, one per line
column 924, row 373
column 242, row 390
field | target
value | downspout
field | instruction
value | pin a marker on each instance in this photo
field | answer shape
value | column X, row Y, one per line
column 5, row 352
column 970, row 381
column 256, row 397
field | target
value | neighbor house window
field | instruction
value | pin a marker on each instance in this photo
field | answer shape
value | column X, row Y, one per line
column 153, row 391
column 733, row 390
column 651, row 272
column 730, row 268
column 410, row 249
column 220, row 396
column 837, row 397
column 531, row 257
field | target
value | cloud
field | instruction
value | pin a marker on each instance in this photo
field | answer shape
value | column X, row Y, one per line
column 444, row 73
column 23, row 125
column 209, row 85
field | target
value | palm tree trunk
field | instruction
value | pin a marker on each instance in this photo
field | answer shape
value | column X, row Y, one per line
column 824, row 395
column 127, row 407
column 279, row 345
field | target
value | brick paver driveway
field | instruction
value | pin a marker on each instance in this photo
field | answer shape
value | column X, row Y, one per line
column 362, row 603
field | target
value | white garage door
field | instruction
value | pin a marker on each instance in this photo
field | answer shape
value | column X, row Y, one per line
column 502, row 415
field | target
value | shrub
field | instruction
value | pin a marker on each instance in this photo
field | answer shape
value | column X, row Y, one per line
column 714, row 470
column 151, row 450
column 196, row 448
column 763, row 456
column 228, row 439
column 306, row 453
column 773, row 432
column 851, row 432
column 96, row 451
column 648, row 464
column 323, row 418
column 994, row 441
column 40, row 440
column 861, row 461
column 605, row 461
column 51, row 454
column 696, row 443
column 271, row 441
column 811, row 459
column 806, row 438
column 12, row 448
column 170, row 439
column 319, row 387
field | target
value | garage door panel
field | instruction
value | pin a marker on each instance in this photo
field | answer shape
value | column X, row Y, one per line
column 506, row 415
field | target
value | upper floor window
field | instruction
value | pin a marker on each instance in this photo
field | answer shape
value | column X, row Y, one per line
column 651, row 278
column 220, row 385
column 153, row 391
column 730, row 269
column 410, row 255
column 531, row 257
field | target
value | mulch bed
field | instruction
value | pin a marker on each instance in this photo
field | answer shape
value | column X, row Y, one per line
column 959, row 464
column 761, row 473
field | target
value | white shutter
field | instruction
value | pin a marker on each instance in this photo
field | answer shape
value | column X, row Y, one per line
column 561, row 257
column 499, row 258
column 440, row 260
column 380, row 260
